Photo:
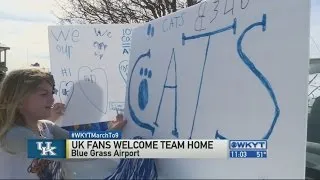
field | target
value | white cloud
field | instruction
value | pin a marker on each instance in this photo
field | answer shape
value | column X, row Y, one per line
column 26, row 17
column 25, row 37
column 41, row 7
column 24, row 27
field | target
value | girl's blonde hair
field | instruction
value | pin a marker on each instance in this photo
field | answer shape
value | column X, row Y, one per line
column 14, row 88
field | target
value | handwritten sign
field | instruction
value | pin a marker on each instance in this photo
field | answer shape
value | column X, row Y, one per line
column 220, row 70
column 90, row 66
column 90, row 69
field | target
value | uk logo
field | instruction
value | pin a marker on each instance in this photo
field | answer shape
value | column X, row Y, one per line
column 46, row 148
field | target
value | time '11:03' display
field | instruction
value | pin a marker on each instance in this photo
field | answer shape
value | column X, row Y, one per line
column 248, row 154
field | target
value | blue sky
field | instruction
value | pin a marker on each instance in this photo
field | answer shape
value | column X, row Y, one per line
column 24, row 23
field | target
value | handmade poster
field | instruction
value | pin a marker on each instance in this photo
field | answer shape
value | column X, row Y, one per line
column 90, row 66
column 219, row 70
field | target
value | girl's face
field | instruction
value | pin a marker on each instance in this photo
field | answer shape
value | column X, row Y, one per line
column 38, row 105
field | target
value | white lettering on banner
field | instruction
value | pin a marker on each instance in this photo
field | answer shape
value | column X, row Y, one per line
column 147, row 149
column 46, row 150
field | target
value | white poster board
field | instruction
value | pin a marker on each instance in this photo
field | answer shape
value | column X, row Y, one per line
column 90, row 65
column 224, row 69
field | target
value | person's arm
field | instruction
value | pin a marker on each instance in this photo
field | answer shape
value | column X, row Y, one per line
column 16, row 140
column 55, row 130
column 60, row 133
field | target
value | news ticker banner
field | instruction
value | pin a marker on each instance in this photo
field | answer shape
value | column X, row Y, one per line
column 96, row 145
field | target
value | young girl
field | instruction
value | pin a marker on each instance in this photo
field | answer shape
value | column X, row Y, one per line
column 26, row 98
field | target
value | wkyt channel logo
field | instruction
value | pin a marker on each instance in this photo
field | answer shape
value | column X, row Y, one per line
column 46, row 148
column 248, row 145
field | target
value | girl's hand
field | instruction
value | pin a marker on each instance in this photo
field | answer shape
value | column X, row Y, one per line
column 57, row 111
column 118, row 123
